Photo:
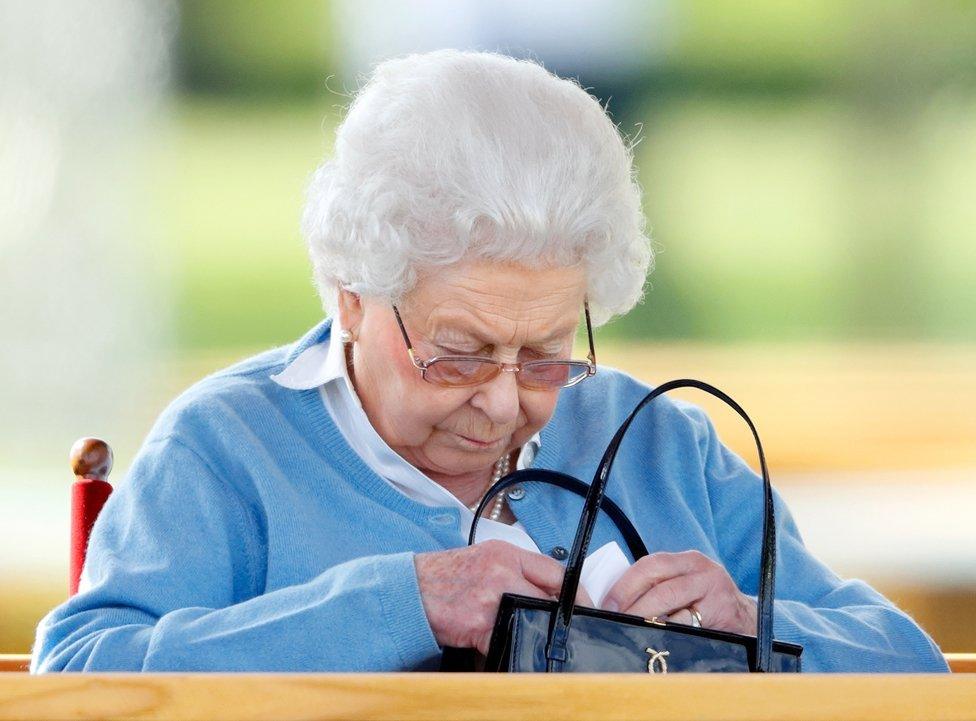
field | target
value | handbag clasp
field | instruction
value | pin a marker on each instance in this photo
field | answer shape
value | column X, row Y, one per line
column 657, row 663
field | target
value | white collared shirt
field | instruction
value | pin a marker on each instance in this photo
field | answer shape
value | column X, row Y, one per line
column 323, row 366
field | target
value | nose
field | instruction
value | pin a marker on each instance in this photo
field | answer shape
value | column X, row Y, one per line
column 499, row 399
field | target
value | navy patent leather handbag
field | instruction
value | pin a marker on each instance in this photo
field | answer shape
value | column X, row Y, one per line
column 532, row 634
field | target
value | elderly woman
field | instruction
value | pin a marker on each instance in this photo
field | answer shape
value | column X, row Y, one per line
column 307, row 508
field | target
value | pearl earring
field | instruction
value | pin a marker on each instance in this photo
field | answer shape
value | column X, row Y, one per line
column 345, row 336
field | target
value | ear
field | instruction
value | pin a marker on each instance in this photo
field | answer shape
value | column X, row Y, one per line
column 350, row 311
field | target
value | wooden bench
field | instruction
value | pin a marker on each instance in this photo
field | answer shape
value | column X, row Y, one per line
column 488, row 697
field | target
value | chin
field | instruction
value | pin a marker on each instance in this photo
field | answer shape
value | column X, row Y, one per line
column 456, row 462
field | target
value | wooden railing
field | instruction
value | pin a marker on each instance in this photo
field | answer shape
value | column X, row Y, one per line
column 506, row 697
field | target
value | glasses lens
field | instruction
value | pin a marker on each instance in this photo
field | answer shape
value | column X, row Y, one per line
column 461, row 372
column 552, row 374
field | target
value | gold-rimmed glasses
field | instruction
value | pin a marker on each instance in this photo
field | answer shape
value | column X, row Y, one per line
column 457, row 371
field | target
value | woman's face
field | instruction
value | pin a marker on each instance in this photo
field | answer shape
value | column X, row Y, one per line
column 508, row 312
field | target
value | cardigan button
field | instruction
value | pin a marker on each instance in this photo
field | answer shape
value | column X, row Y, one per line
column 559, row 553
column 517, row 493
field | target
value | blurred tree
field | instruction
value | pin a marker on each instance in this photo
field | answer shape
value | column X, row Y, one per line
column 253, row 47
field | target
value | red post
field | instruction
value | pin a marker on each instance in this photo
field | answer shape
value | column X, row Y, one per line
column 91, row 461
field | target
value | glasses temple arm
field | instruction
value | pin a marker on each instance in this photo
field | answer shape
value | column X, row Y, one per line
column 589, row 330
column 406, row 338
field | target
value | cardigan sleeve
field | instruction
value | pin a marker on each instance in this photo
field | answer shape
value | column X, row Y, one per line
column 173, row 582
column 842, row 624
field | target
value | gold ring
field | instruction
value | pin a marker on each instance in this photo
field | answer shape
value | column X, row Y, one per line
column 696, row 618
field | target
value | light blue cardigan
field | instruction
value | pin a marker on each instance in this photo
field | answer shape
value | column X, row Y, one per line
column 247, row 536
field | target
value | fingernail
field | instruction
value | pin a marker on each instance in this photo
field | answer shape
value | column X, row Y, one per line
column 611, row 606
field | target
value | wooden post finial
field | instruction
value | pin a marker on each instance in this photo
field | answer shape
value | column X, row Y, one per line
column 91, row 458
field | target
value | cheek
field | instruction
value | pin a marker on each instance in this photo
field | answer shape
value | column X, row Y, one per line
column 422, row 407
column 538, row 407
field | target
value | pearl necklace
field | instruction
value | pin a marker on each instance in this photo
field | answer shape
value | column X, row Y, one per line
column 501, row 469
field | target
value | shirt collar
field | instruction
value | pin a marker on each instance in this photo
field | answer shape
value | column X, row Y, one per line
column 318, row 364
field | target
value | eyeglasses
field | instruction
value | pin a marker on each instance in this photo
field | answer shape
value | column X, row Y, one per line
column 457, row 371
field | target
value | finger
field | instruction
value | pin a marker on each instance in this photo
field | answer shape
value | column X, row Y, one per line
column 647, row 572
column 527, row 588
column 669, row 597
column 713, row 608
column 518, row 586
column 546, row 573
column 483, row 643
column 682, row 615
column 583, row 598
column 523, row 588
column 549, row 575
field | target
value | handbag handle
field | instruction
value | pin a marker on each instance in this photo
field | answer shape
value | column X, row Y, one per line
column 561, row 480
column 559, row 629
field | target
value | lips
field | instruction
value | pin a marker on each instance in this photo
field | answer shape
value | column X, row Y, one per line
column 481, row 443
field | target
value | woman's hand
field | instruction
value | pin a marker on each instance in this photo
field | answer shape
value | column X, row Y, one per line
column 665, row 584
column 461, row 588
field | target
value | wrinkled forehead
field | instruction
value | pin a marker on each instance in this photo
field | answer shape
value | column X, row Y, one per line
column 499, row 303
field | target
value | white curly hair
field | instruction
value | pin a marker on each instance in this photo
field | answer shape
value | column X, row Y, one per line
column 451, row 155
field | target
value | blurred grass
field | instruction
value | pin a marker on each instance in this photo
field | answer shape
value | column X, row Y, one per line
column 228, row 179
column 790, row 41
column 766, row 215
column 803, row 221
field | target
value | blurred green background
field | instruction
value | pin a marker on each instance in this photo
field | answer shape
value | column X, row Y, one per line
column 817, row 153
column 808, row 171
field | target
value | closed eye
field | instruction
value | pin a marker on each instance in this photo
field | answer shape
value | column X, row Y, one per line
column 457, row 351
column 532, row 355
